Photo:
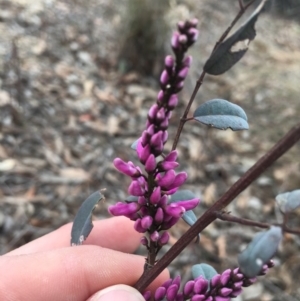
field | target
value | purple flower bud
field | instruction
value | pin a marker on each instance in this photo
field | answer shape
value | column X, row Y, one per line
column 182, row 39
column 138, row 226
column 146, row 222
column 155, row 196
column 153, row 111
column 169, row 61
column 136, row 189
column 144, row 153
column 173, row 101
column 179, row 86
column 237, row 285
column 172, row 292
column 187, row 61
column 160, row 116
column 188, row 288
column 123, row 208
column 219, row 298
column 145, row 138
column 150, row 164
column 164, row 239
column 167, row 283
column 165, row 136
column 175, row 40
column 225, row 277
column 201, row 285
column 179, row 180
column 174, row 210
column 142, row 201
column 154, row 236
column 177, row 281
column 172, row 156
column 156, row 139
column 193, row 34
column 194, row 22
column 151, row 129
column 188, row 204
column 163, row 201
column 164, row 78
column 181, row 25
column 126, row 168
column 249, row 281
column 170, row 223
column 164, row 124
column 147, row 296
column 159, row 216
column 199, row 298
column 225, row 291
column 235, row 293
column 183, row 73
column 144, row 211
column 144, row 241
column 167, row 179
column 171, row 191
column 160, row 96
column 215, row 280
column 160, row 293
column 167, row 165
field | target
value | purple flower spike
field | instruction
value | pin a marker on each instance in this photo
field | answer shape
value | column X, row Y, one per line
column 123, row 208
column 126, row 168
column 189, row 287
column 164, row 78
column 135, row 189
column 188, row 204
column 155, row 196
column 225, row 277
column 167, row 179
column 225, row 291
column 160, row 293
column 146, row 222
column 159, row 216
column 175, row 40
column 173, row 101
column 172, row 156
column 187, row 62
column 154, row 236
column 183, row 73
column 164, row 239
column 150, row 164
column 172, row 292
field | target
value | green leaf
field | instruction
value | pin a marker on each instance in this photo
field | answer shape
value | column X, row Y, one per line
column 259, row 251
column 233, row 48
column 82, row 225
column 222, row 114
column 288, row 201
column 204, row 270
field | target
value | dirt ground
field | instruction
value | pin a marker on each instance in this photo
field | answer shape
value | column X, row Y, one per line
column 69, row 106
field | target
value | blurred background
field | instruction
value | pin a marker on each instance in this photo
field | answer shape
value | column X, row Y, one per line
column 76, row 81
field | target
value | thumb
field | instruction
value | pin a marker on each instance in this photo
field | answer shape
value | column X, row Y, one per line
column 118, row 292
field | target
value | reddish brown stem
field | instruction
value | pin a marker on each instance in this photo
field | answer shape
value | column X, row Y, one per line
column 209, row 216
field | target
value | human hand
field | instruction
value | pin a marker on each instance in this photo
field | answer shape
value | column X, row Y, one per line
column 49, row 269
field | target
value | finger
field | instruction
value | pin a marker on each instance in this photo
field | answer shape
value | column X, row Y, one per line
column 68, row 274
column 115, row 233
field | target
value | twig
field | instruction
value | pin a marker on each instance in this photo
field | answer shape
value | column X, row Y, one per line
column 208, row 217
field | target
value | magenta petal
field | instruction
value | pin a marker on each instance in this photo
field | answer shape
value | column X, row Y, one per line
column 153, row 111
column 166, row 165
column 159, row 216
column 146, row 222
column 201, row 285
column 160, row 293
column 135, row 189
column 219, row 298
column 164, row 78
column 125, row 168
column 155, row 196
column 188, row 204
column 173, row 101
column 179, row 180
column 174, row 210
column 163, row 201
column 169, row 61
column 183, row 72
column 167, row 179
column 147, row 295
column 156, row 139
column 139, row 147
column 225, row 291
column 168, row 224
column 237, row 285
column 145, row 153
column 198, row 298
column 164, row 238
column 154, row 236
column 160, row 115
column 188, row 287
column 123, row 208
column 175, row 40
column 193, row 33
column 172, row 292
column 172, row 156
column 182, row 39
column 150, row 164
column 215, row 280
column 138, row 226
column 160, row 96
column 225, row 277
column 235, row 293
column 187, row 61
column 177, row 281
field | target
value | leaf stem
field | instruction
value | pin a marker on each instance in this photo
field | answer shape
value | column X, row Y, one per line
column 281, row 147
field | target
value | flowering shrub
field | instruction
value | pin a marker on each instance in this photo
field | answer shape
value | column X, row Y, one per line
column 156, row 203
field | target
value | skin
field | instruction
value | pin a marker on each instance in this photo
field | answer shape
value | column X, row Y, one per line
column 49, row 269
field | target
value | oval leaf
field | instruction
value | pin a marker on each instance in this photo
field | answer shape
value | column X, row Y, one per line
column 204, row 270
column 259, row 251
column 82, row 225
column 288, row 201
column 233, row 49
column 222, row 114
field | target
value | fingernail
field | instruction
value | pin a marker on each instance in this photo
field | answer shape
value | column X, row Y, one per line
column 118, row 292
